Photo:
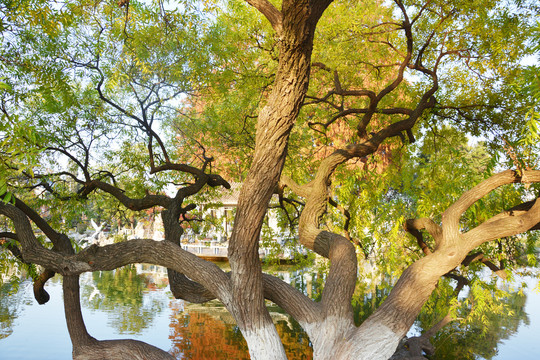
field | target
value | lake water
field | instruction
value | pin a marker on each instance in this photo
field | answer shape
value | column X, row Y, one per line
column 135, row 303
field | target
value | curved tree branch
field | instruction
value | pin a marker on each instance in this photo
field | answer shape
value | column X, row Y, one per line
column 87, row 347
column 414, row 225
column 146, row 202
column 498, row 227
column 506, row 226
column 272, row 14
column 162, row 253
column 60, row 241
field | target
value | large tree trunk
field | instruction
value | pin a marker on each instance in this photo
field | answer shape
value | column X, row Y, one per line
column 329, row 323
column 295, row 26
column 378, row 337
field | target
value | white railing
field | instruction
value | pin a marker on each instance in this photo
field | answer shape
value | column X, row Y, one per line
column 206, row 249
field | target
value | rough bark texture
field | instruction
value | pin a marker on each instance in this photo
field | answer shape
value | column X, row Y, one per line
column 329, row 323
column 296, row 29
column 85, row 347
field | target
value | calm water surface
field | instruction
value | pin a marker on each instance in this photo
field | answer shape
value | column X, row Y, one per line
column 130, row 304
column 135, row 303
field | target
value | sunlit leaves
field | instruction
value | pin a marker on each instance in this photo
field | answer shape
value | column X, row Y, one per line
column 526, row 143
column 221, row 116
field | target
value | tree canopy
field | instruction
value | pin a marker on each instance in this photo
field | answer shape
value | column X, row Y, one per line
column 369, row 120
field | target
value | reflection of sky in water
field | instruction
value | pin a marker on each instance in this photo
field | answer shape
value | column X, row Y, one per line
column 526, row 343
column 39, row 331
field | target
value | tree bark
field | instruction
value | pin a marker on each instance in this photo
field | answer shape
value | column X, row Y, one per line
column 296, row 30
column 85, row 347
column 329, row 323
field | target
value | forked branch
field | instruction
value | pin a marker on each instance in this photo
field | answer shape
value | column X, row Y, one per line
column 504, row 224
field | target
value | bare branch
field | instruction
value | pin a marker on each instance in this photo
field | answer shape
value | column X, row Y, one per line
column 146, row 202
column 478, row 256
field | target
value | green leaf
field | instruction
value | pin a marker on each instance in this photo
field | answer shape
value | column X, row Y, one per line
column 5, row 86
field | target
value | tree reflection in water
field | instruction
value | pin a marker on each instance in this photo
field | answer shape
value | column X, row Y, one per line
column 208, row 332
column 492, row 311
column 11, row 302
column 120, row 293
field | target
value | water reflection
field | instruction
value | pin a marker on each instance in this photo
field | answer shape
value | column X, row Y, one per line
column 11, row 302
column 492, row 313
column 209, row 332
column 204, row 335
column 124, row 295
column 135, row 302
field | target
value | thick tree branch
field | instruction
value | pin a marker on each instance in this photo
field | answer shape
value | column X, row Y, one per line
column 113, row 256
column 418, row 280
column 299, row 306
column 347, row 215
column 300, row 190
column 40, row 294
column 146, row 202
column 162, row 253
column 183, row 288
column 87, row 347
column 296, row 304
column 517, row 210
column 499, row 227
column 323, row 242
column 272, row 14
column 60, row 241
column 506, row 226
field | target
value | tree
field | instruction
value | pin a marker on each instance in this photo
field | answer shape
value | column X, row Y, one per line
column 137, row 61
